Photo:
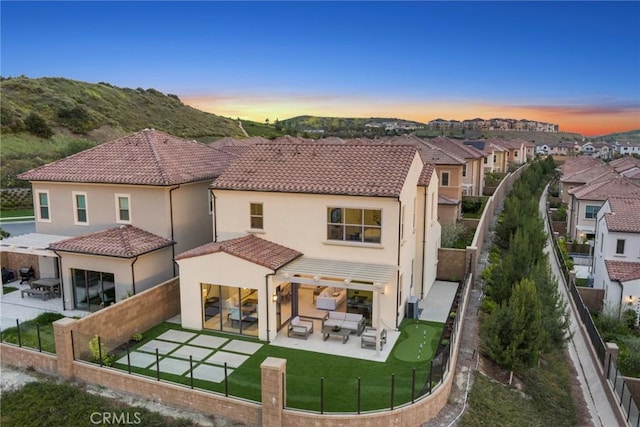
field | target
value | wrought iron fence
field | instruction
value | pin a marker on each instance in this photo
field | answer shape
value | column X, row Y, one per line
column 26, row 337
column 625, row 398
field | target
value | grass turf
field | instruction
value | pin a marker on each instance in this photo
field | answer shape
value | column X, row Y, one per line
column 306, row 371
column 29, row 332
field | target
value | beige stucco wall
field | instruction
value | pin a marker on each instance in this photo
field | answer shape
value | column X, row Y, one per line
column 149, row 206
column 222, row 269
column 426, row 259
column 299, row 221
column 149, row 270
column 475, row 177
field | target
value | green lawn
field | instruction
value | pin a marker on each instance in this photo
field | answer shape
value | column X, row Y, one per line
column 7, row 215
column 305, row 370
column 49, row 404
column 8, row 289
column 29, row 332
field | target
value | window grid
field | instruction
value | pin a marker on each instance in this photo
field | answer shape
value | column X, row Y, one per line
column 256, row 216
column 354, row 224
column 43, row 205
column 80, row 202
column 620, row 247
column 123, row 208
column 591, row 212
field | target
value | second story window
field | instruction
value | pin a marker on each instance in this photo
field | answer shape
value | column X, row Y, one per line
column 590, row 212
column 464, row 170
column 445, row 179
column 620, row 247
column 43, row 206
column 123, row 213
column 354, row 225
column 257, row 219
column 80, row 207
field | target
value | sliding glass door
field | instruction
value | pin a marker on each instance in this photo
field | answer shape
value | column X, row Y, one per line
column 93, row 290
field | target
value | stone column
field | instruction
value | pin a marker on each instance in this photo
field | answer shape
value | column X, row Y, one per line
column 64, row 347
column 610, row 355
column 273, row 374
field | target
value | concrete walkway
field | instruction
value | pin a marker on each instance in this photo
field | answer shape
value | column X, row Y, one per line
column 602, row 414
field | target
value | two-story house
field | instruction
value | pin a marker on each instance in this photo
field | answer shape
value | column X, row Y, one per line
column 116, row 214
column 472, row 170
column 616, row 254
column 310, row 228
column 585, row 202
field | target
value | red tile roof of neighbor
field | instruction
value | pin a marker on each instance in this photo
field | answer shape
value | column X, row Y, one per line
column 250, row 248
column 148, row 157
column 605, row 187
column 362, row 170
column 456, row 148
column 624, row 216
column 426, row 174
column 125, row 241
column 579, row 163
column 623, row 271
column 589, row 174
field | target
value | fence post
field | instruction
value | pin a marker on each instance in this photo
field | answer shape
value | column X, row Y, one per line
column 358, row 395
column 430, row 374
column 99, row 350
column 393, row 388
column 413, row 385
column 157, row 365
column 226, row 381
column 322, row 395
column 19, row 338
column 65, row 346
column 273, row 381
column 191, row 369
column 39, row 342
column 128, row 359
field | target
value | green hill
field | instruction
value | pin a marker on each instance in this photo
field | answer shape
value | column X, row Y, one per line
column 314, row 126
column 630, row 136
column 101, row 111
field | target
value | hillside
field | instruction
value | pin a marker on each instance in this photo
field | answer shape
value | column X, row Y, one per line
column 630, row 136
column 343, row 126
column 101, row 112
column 535, row 137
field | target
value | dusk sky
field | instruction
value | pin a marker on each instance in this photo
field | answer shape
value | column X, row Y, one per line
column 576, row 64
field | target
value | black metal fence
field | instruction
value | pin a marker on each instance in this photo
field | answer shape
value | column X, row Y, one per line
column 625, row 398
column 27, row 337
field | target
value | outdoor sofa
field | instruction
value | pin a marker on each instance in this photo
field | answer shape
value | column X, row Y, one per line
column 351, row 321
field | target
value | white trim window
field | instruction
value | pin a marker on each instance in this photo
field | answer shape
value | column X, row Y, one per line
column 444, row 179
column 43, row 210
column 354, row 224
column 256, row 216
column 123, row 208
column 591, row 211
column 80, row 208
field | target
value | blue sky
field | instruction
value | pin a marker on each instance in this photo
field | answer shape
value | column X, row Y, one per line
column 572, row 63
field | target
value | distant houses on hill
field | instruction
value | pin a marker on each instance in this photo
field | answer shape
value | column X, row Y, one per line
column 522, row 125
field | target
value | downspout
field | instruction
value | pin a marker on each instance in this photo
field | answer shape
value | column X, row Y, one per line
column 215, row 216
column 266, row 290
column 133, row 274
column 64, row 305
column 173, row 247
column 424, row 241
column 400, row 225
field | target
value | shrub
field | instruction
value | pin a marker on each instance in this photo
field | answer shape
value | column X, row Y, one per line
column 37, row 125
column 98, row 351
column 137, row 337
column 630, row 317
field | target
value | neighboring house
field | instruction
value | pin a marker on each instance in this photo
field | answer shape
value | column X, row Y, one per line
column 530, row 150
column 595, row 149
column 585, row 202
column 495, row 157
column 589, row 172
column 472, row 171
column 153, row 184
column 563, row 149
column 626, row 148
column 625, row 164
column 516, row 152
column 616, row 263
column 300, row 227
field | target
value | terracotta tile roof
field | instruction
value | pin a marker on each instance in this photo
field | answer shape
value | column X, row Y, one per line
column 588, row 174
column 624, row 163
column 426, row 174
column 624, row 216
column 623, row 271
column 250, row 248
column 125, row 241
column 148, row 157
column 606, row 187
column 363, row 170
column 579, row 163
column 456, row 148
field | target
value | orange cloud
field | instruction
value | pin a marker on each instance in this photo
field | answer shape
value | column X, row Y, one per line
column 585, row 119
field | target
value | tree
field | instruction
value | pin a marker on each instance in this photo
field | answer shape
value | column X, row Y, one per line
column 37, row 125
column 555, row 312
column 512, row 336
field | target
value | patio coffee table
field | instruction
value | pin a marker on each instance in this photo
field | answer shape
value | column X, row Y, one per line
column 327, row 331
